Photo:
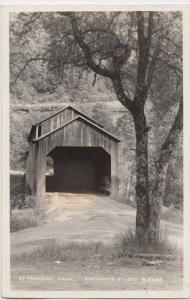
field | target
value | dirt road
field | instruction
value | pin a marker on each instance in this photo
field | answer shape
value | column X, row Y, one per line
column 79, row 217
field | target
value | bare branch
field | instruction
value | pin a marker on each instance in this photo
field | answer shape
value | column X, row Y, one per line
column 113, row 18
column 87, row 51
column 27, row 63
column 113, row 75
column 27, row 26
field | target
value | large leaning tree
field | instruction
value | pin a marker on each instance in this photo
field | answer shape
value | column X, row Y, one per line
column 131, row 50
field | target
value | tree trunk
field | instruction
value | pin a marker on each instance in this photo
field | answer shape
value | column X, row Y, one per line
column 156, row 201
column 142, row 180
column 157, row 191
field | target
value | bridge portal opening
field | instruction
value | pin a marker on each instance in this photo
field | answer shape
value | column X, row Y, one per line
column 79, row 170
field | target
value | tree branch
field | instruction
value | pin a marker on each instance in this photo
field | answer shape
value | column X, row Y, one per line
column 113, row 18
column 123, row 98
column 103, row 30
column 114, row 74
column 152, row 65
column 25, row 66
column 171, row 139
column 27, row 25
column 87, row 51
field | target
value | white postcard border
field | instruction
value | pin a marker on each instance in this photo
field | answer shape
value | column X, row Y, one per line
column 7, row 292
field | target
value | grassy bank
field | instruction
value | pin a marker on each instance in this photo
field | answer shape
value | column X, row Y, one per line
column 91, row 266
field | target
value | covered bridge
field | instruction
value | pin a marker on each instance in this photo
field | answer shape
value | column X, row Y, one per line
column 84, row 155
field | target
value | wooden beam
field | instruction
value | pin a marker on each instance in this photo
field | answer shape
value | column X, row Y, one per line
column 37, row 131
column 40, row 172
column 114, row 171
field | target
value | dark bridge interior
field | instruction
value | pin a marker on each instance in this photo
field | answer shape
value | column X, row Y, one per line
column 79, row 170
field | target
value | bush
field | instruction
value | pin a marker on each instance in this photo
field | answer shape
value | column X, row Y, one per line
column 125, row 244
column 17, row 190
column 27, row 212
column 22, row 219
column 18, row 197
column 22, row 201
column 29, row 202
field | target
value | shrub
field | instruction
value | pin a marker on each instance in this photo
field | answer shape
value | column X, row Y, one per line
column 17, row 190
column 22, row 201
column 29, row 202
column 21, row 219
column 29, row 214
column 125, row 244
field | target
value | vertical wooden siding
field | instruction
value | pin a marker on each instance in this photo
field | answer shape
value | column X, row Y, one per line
column 77, row 133
column 57, row 121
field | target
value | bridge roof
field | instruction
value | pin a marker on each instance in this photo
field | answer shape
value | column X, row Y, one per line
column 98, row 128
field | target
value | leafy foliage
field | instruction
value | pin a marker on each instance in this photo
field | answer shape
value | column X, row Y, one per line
column 135, row 57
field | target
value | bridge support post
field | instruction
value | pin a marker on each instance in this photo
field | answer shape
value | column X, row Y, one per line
column 114, row 171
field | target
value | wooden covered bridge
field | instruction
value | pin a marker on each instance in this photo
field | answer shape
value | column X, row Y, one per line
column 84, row 155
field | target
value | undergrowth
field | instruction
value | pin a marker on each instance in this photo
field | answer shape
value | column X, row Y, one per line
column 51, row 250
column 123, row 246
column 22, row 219
column 29, row 216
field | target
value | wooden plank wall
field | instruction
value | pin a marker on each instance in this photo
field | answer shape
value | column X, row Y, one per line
column 56, row 121
column 78, row 133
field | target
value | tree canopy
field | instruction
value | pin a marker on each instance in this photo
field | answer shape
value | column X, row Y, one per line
column 135, row 55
